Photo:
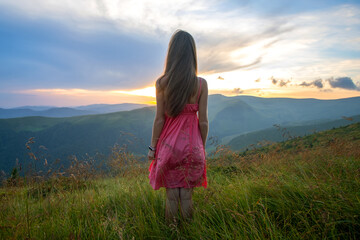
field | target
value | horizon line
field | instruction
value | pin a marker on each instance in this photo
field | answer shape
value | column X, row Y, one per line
column 154, row 102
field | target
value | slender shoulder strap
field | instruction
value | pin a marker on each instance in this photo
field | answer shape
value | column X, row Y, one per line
column 199, row 91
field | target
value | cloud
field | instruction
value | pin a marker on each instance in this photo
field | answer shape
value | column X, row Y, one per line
column 102, row 7
column 316, row 83
column 236, row 51
column 70, row 44
column 50, row 54
column 279, row 82
column 343, row 82
column 283, row 83
column 273, row 80
column 237, row 91
column 109, row 44
column 326, row 90
column 309, row 52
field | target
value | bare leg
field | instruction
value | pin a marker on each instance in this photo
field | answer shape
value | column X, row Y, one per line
column 186, row 203
column 172, row 204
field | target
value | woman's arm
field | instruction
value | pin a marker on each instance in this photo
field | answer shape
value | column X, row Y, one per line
column 159, row 119
column 203, row 112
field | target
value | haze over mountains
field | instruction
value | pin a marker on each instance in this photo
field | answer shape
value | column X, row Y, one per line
column 50, row 111
column 236, row 115
column 283, row 133
column 230, row 118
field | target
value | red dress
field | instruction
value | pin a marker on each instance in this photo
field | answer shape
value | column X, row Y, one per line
column 180, row 155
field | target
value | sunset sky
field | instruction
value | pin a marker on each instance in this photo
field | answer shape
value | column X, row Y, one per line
column 71, row 53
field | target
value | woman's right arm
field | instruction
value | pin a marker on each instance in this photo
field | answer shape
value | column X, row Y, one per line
column 159, row 119
column 203, row 112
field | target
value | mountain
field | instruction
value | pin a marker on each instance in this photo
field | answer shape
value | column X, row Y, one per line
column 237, row 115
column 62, row 137
column 229, row 118
column 35, row 108
column 282, row 133
column 44, row 111
column 52, row 112
column 108, row 108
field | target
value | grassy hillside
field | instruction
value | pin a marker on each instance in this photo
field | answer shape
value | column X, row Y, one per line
column 282, row 133
column 306, row 188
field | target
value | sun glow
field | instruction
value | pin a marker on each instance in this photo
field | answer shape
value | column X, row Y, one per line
column 147, row 92
column 73, row 97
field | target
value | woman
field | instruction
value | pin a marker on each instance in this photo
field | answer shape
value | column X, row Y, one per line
column 179, row 134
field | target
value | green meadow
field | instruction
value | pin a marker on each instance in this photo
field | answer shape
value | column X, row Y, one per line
column 303, row 188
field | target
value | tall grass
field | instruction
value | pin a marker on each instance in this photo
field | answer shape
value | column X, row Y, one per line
column 306, row 188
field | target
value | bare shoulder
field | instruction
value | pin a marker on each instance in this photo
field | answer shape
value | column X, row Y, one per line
column 204, row 85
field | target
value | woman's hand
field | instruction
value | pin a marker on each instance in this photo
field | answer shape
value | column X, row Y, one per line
column 151, row 155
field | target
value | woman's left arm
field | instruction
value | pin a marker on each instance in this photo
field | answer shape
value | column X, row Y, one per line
column 158, row 121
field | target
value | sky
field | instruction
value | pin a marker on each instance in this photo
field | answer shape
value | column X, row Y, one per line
column 72, row 53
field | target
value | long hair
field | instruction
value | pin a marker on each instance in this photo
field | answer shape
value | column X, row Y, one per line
column 180, row 72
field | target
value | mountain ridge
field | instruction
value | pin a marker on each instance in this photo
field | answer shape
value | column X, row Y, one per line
column 50, row 111
column 283, row 133
column 98, row 133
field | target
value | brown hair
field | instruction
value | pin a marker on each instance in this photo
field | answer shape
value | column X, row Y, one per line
column 180, row 72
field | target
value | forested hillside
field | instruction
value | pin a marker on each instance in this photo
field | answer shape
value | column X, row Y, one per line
column 230, row 118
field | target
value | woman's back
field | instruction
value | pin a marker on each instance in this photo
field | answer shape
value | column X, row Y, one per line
column 162, row 83
column 180, row 156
